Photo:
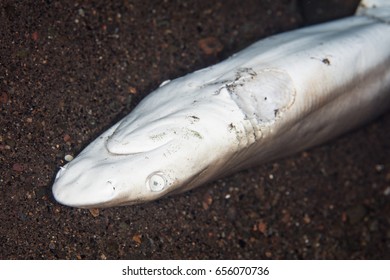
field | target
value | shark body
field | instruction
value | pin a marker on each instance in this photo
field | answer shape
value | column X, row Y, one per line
column 281, row 95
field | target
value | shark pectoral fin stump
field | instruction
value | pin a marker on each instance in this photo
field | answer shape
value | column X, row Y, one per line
column 279, row 96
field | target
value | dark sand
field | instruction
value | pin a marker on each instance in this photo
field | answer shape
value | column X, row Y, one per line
column 68, row 71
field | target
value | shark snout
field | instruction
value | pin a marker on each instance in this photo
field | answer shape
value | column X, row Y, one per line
column 83, row 189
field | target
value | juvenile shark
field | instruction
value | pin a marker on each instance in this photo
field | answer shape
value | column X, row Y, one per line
column 281, row 95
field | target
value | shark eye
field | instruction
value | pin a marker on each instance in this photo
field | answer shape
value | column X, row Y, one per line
column 156, row 181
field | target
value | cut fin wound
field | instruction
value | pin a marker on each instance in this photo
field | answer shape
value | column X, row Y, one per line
column 263, row 96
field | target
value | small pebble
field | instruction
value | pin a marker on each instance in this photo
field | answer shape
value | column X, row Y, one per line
column 67, row 137
column 207, row 200
column 379, row 167
column 387, row 177
column 305, row 155
column 132, row 90
column 3, row 98
column 343, row 217
column 306, row 219
column 68, row 158
column 137, row 239
column 94, row 212
column 286, row 217
column 17, row 167
column 210, row 46
column 35, row 36
column 262, row 227
column 81, row 12
column 387, row 191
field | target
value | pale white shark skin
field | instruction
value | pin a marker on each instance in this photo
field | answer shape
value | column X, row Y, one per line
column 367, row 5
column 279, row 96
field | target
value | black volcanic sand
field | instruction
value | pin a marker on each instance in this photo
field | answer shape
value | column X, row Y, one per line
column 70, row 70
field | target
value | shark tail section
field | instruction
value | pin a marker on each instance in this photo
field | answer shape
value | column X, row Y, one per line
column 378, row 9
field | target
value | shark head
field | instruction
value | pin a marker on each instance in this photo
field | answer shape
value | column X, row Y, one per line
column 169, row 143
column 187, row 132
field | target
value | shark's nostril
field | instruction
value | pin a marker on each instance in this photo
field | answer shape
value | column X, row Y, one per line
column 156, row 181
